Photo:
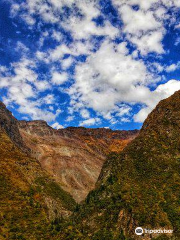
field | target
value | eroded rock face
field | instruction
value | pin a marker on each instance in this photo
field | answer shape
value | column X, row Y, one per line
column 73, row 156
column 10, row 124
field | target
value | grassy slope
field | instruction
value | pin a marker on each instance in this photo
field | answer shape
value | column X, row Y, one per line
column 140, row 186
column 24, row 192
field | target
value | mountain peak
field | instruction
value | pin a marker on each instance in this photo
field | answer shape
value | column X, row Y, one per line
column 38, row 127
column 165, row 112
column 9, row 124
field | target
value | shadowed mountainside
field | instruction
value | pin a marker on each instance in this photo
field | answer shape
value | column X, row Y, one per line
column 73, row 156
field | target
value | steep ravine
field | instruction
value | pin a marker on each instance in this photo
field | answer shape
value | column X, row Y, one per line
column 73, row 156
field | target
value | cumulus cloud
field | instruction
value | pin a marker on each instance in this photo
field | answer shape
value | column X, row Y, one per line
column 143, row 26
column 111, row 73
column 135, row 22
column 24, row 88
column 150, row 42
column 79, row 23
column 56, row 125
column 162, row 91
column 90, row 122
column 66, row 63
column 36, row 113
column 59, row 78
column 84, row 113
column 114, row 74
column 172, row 67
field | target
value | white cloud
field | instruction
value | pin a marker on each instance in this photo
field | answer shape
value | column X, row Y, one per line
column 49, row 99
column 172, row 67
column 59, row 78
column 125, row 120
column 90, row 122
column 56, row 125
column 144, row 26
column 21, row 48
column 69, row 118
column 28, row 19
column 162, row 91
column 150, row 42
column 145, row 5
column 124, row 110
column 167, row 68
column 20, row 83
column 57, row 53
column 42, row 85
column 36, row 113
column 84, row 113
column 136, row 22
column 23, row 88
column 57, row 36
column 157, row 67
column 83, row 27
column 108, row 77
column 86, row 28
column 66, row 63
column 80, row 27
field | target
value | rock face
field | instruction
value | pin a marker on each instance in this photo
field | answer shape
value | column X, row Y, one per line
column 140, row 186
column 73, row 156
column 10, row 125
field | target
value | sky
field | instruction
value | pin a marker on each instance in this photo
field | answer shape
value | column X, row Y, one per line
column 88, row 63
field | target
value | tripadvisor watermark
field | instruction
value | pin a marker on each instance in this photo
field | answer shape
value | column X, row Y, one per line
column 140, row 231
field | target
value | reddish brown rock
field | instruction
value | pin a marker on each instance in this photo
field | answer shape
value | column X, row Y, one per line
column 73, row 156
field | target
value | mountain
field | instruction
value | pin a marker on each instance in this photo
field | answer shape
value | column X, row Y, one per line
column 140, row 187
column 29, row 199
column 73, row 156
column 32, row 202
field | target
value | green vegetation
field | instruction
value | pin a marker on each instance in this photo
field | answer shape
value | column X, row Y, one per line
column 23, row 211
column 140, row 186
column 52, row 189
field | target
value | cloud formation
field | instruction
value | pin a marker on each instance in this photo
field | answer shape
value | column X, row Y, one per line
column 110, row 61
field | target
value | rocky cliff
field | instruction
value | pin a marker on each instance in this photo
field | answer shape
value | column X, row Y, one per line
column 73, row 156
column 10, row 125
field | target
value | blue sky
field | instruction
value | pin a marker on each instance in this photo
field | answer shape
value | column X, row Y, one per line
column 88, row 63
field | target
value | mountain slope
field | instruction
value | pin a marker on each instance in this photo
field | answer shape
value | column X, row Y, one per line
column 141, row 185
column 73, row 156
column 29, row 198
